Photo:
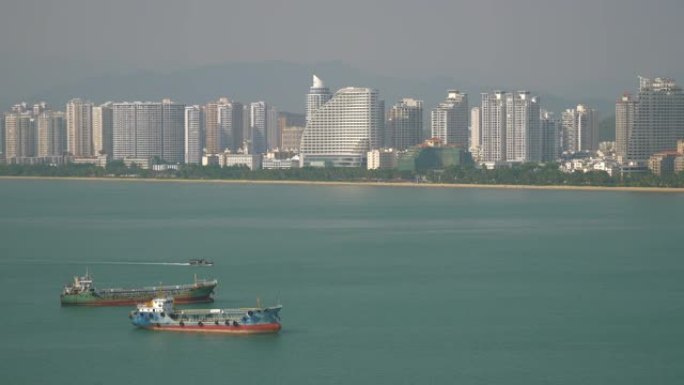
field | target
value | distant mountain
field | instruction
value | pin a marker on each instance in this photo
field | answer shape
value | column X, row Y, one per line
column 282, row 84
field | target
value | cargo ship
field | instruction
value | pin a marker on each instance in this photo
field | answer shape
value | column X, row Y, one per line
column 82, row 292
column 160, row 314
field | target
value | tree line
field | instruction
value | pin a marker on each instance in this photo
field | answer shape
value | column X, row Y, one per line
column 525, row 174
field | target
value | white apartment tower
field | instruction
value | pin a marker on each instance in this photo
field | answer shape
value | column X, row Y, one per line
column 194, row 121
column 343, row 130
column 149, row 129
column 450, row 120
column 173, row 131
column 523, row 130
column 79, row 120
column 404, row 127
column 493, row 113
column 318, row 95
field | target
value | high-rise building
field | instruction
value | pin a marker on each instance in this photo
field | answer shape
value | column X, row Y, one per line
column 343, row 130
column 523, row 130
column 659, row 119
column 79, row 120
column 2, row 138
column 580, row 129
column 258, row 120
column 194, row 121
column 223, row 126
column 450, row 120
column 475, row 130
column 51, row 128
column 20, row 135
column 103, row 129
column 272, row 129
column 246, row 130
column 404, row 126
column 149, row 129
column 292, row 138
column 493, row 112
column 625, row 113
column 173, row 131
column 39, row 108
column 318, row 95
column 510, row 127
column 550, row 131
column 212, row 132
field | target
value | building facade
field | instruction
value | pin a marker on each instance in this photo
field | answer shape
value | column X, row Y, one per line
column 580, row 129
column 292, row 138
column 20, row 135
column 194, row 123
column 659, row 119
column 51, row 128
column 103, row 129
column 381, row 159
column 523, row 128
column 493, row 113
column 449, row 121
column 475, row 131
column 550, row 130
column 258, row 121
column 404, row 126
column 79, row 120
column 224, row 126
column 625, row 113
column 148, row 130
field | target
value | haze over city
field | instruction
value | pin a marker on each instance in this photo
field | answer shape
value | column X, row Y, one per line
column 579, row 50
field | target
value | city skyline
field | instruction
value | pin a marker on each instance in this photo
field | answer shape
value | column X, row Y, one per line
column 509, row 127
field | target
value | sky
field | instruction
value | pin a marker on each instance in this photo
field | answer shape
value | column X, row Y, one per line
column 571, row 46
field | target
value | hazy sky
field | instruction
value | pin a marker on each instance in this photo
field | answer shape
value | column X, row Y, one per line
column 540, row 44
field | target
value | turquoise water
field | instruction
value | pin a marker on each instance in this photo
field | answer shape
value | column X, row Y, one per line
column 379, row 285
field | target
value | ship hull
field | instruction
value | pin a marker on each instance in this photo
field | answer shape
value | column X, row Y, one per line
column 199, row 294
column 158, row 317
column 219, row 329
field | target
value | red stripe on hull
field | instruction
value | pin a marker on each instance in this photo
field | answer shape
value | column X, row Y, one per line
column 220, row 329
column 128, row 302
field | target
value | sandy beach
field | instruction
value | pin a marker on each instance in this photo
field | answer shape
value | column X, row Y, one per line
column 365, row 184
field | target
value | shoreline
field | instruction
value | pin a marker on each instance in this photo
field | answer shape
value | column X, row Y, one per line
column 365, row 184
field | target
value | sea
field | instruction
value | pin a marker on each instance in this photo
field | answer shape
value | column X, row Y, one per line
column 379, row 285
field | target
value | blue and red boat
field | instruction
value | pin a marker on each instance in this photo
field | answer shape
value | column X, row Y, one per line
column 160, row 314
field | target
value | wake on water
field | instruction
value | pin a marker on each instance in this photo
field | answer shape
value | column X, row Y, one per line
column 49, row 262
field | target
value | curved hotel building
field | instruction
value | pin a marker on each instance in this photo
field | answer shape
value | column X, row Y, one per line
column 342, row 131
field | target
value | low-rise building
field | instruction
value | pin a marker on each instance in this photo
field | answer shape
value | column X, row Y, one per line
column 143, row 163
column 663, row 163
column 386, row 158
column 251, row 161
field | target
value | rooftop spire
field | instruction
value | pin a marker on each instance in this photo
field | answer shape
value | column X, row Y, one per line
column 317, row 82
